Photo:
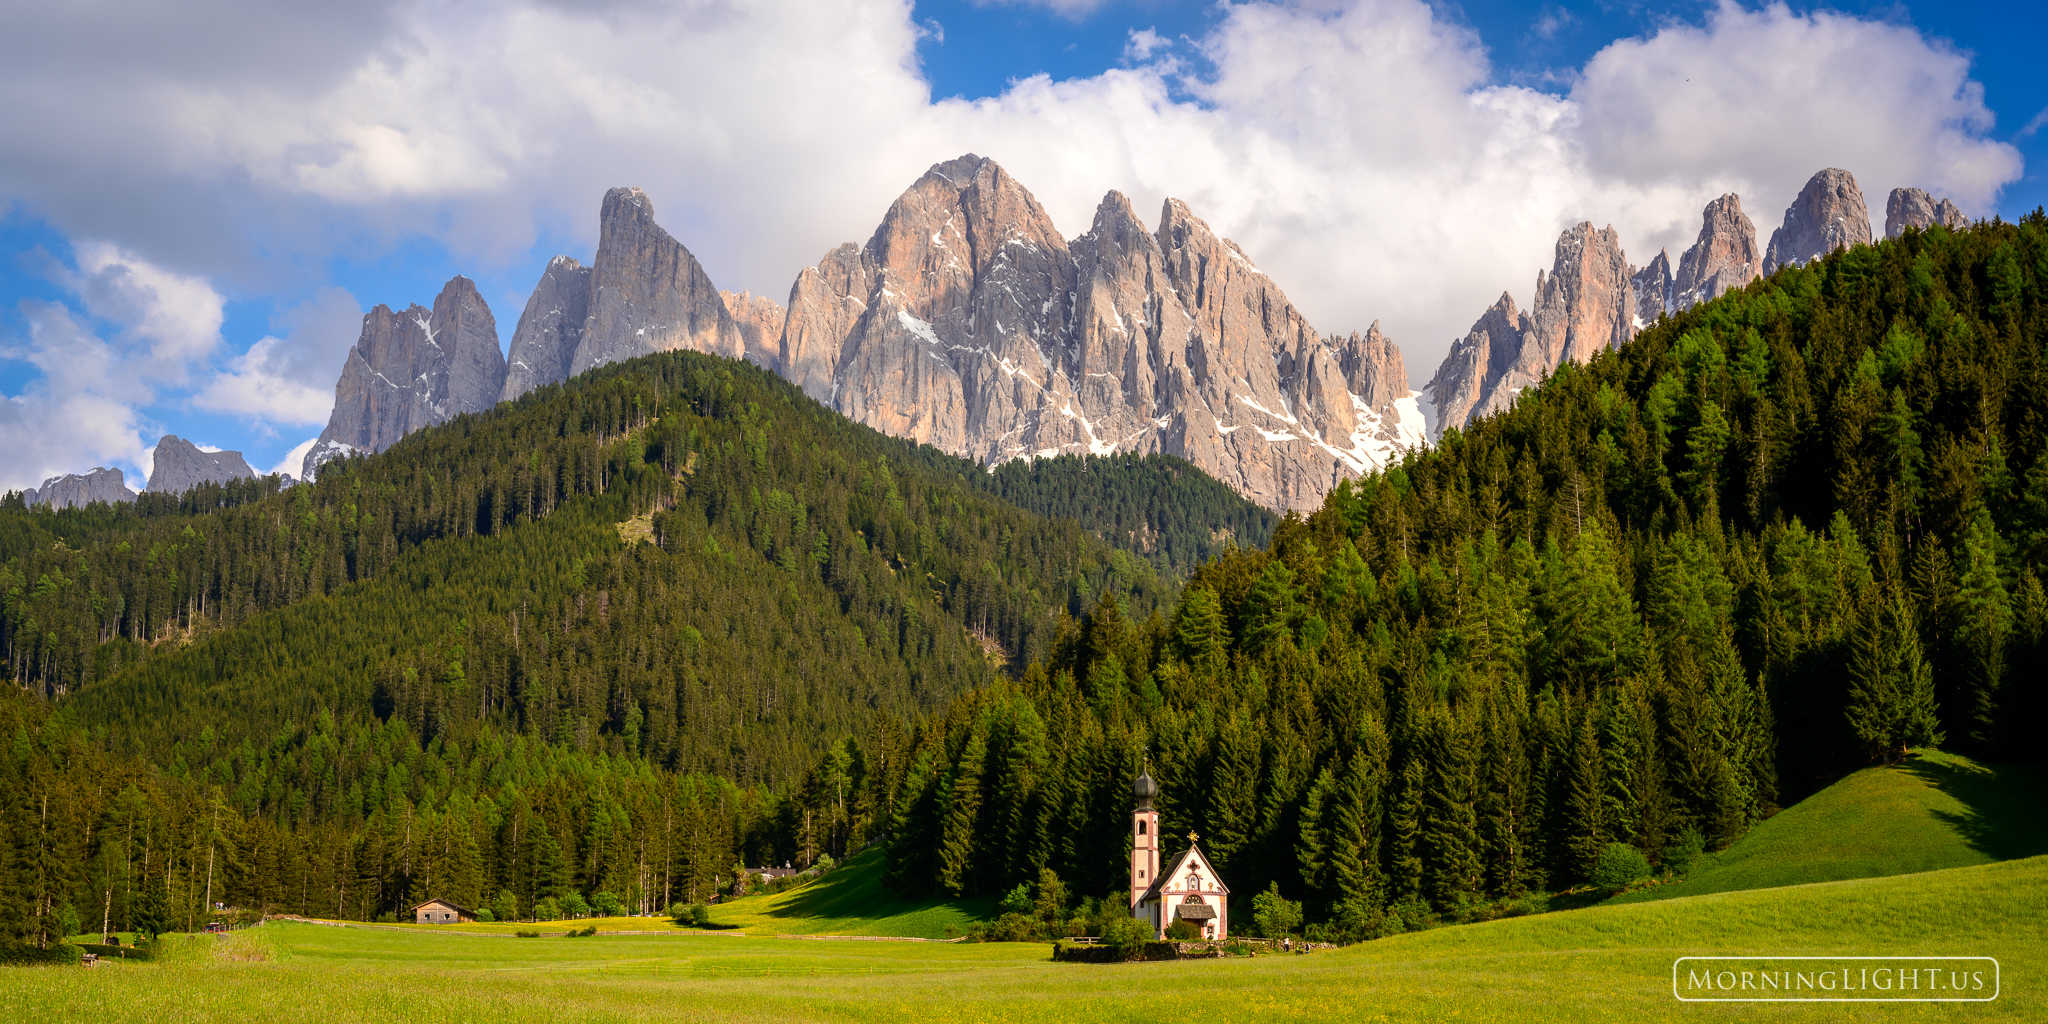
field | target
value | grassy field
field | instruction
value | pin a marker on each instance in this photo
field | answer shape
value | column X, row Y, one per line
column 849, row 901
column 1607, row 963
column 1936, row 810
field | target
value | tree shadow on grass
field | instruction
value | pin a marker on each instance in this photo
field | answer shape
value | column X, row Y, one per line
column 2004, row 817
column 855, row 890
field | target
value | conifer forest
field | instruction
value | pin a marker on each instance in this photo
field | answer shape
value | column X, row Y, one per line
column 628, row 631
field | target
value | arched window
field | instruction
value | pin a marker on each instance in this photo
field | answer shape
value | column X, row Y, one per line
column 1141, row 828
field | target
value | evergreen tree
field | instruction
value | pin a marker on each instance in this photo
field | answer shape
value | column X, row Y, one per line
column 1983, row 623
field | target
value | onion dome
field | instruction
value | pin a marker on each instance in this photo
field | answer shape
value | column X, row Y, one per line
column 1145, row 789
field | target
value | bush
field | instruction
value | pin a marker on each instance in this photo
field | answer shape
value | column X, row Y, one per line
column 1183, row 931
column 606, row 904
column 574, row 906
column 1685, row 852
column 700, row 915
column 484, row 914
column 17, row 954
column 581, row 933
column 527, row 935
column 387, row 918
column 547, row 910
column 1011, row 927
column 1124, row 933
column 1618, row 865
column 1019, row 900
column 506, row 906
column 1273, row 914
column 1052, row 896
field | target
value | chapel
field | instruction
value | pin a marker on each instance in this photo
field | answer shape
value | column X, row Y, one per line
column 1186, row 889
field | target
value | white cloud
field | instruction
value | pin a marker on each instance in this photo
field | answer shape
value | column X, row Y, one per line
column 294, row 461
column 1358, row 150
column 1143, row 43
column 171, row 321
column 1073, row 10
column 290, row 380
column 79, row 414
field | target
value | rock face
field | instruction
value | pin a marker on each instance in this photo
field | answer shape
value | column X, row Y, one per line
column 1914, row 208
column 1585, row 304
column 549, row 330
column 759, row 319
column 413, row 369
column 1653, row 288
column 1724, row 258
column 1828, row 215
column 968, row 322
column 648, row 294
column 73, row 490
column 180, row 466
column 643, row 293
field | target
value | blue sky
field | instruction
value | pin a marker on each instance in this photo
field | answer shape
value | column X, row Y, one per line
column 261, row 179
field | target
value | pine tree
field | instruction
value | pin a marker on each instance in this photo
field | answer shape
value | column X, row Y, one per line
column 962, row 813
column 1456, row 870
column 1233, row 790
column 1586, row 825
column 1891, row 704
column 1983, row 623
column 1404, row 831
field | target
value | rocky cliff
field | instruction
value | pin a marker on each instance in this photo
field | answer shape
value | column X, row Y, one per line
column 544, row 343
column 76, row 489
column 968, row 322
column 1829, row 214
column 643, row 293
column 1585, row 304
column 1914, row 208
column 648, row 294
column 413, row 369
column 759, row 319
column 179, row 466
column 1724, row 257
column 1653, row 288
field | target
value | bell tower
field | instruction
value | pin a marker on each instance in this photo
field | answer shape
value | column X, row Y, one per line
column 1144, row 839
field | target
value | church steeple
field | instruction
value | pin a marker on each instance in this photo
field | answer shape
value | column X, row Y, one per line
column 1144, row 837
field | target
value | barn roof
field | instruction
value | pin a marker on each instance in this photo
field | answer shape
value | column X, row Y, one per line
column 450, row 904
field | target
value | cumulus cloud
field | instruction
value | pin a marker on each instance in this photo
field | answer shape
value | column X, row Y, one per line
column 82, row 411
column 85, row 407
column 294, row 461
column 1143, row 43
column 1360, row 150
column 289, row 380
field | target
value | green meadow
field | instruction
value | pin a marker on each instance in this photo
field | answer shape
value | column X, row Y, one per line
column 1601, row 963
column 1934, row 810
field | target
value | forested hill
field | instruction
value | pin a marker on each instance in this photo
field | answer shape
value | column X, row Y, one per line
column 510, row 647
column 1160, row 506
column 803, row 571
column 1778, row 537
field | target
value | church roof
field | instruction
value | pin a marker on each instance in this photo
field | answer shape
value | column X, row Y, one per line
column 1173, row 870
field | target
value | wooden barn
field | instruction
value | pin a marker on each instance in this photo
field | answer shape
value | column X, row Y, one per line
column 441, row 912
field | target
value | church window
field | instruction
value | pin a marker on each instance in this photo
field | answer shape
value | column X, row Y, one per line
column 1141, row 828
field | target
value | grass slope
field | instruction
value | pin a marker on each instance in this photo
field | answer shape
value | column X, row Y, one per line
column 1936, row 810
column 1608, row 963
column 852, row 901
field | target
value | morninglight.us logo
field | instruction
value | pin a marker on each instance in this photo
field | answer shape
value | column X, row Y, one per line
column 1831, row 979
